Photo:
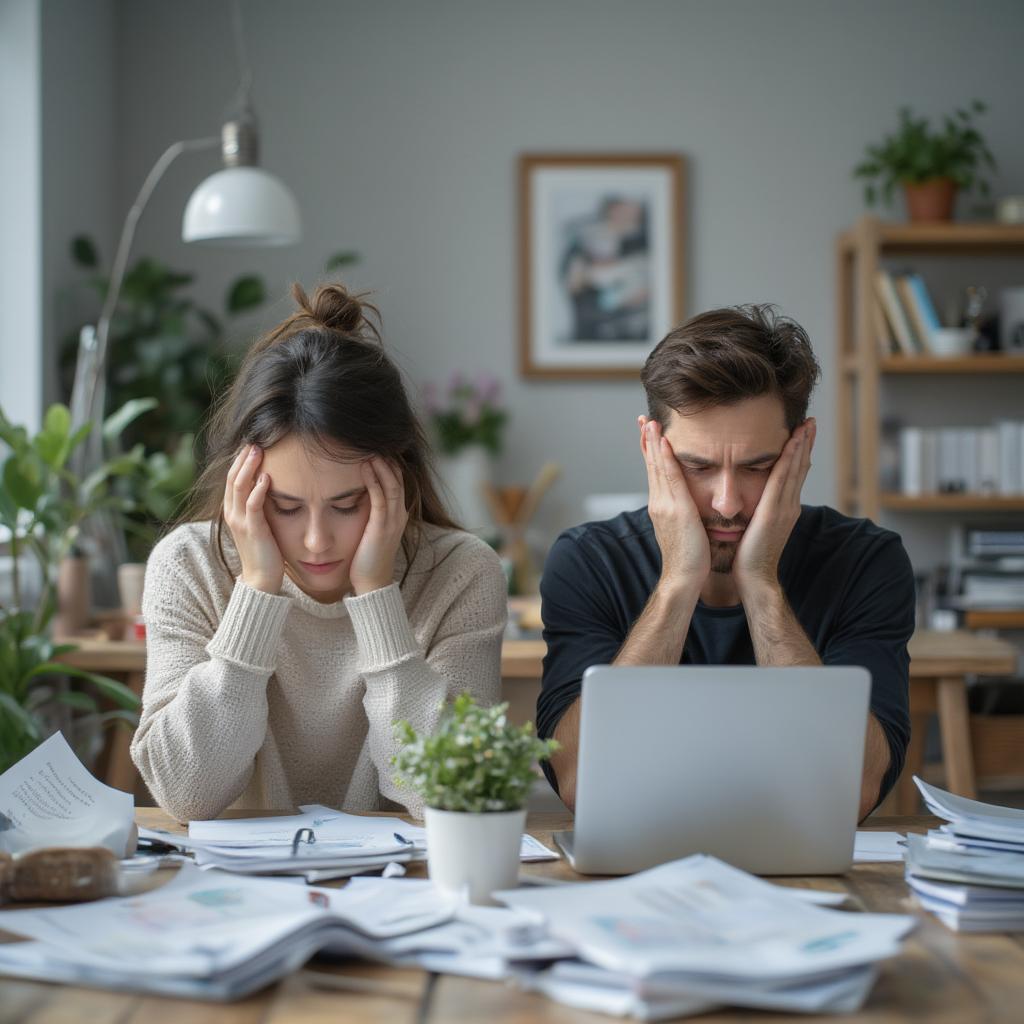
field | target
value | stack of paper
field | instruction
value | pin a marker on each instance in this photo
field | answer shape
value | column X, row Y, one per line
column 969, row 872
column 696, row 933
column 319, row 843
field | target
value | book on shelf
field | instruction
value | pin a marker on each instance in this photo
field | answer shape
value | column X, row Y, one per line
column 885, row 290
column 918, row 329
column 921, row 304
column 887, row 345
column 984, row 461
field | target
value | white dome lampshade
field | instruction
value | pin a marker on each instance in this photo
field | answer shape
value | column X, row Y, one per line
column 242, row 206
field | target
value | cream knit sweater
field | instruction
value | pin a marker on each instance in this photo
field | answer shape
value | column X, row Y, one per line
column 270, row 701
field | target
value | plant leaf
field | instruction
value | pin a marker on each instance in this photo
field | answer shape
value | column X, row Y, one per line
column 115, row 423
column 246, row 293
column 83, row 251
column 344, row 258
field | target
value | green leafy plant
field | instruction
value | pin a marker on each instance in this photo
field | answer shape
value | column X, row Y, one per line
column 43, row 505
column 468, row 413
column 476, row 761
column 915, row 153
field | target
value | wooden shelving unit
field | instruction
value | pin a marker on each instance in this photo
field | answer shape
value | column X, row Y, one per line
column 952, row 503
column 859, row 252
column 1009, row 619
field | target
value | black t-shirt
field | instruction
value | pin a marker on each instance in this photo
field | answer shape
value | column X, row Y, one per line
column 848, row 581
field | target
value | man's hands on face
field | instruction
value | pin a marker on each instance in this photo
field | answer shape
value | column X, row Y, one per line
column 685, row 550
column 760, row 548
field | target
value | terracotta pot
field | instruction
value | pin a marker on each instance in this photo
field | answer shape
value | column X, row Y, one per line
column 931, row 200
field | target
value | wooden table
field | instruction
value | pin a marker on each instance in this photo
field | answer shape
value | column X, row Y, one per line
column 940, row 663
column 939, row 978
column 939, row 666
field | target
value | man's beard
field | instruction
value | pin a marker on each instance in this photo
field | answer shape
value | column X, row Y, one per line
column 723, row 552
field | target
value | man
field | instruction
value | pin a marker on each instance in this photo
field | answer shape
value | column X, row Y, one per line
column 725, row 566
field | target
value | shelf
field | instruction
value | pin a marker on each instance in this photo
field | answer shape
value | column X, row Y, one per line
column 1008, row 619
column 894, row 237
column 954, row 502
column 990, row 362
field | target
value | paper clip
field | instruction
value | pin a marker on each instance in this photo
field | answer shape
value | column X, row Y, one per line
column 306, row 835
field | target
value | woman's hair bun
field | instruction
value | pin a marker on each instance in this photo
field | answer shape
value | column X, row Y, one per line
column 334, row 307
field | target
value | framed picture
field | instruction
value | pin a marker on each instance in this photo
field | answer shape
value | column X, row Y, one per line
column 601, row 261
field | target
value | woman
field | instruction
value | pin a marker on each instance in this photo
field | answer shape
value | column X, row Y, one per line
column 318, row 593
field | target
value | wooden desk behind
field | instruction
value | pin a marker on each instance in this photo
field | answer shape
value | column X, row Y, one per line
column 940, row 977
column 939, row 666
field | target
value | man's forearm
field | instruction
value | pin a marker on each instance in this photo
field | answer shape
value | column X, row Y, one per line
column 779, row 639
column 657, row 638
column 876, row 763
column 658, row 635
column 777, row 636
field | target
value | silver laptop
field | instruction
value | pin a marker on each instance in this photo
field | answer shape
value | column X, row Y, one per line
column 760, row 767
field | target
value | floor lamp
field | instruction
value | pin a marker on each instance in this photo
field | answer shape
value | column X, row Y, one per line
column 241, row 204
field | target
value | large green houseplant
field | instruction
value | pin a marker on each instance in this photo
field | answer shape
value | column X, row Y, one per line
column 930, row 165
column 474, row 776
column 43, row 506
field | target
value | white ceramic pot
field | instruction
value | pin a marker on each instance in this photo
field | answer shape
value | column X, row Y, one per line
column 474, row 854
column 951, row 341
column 464, row 475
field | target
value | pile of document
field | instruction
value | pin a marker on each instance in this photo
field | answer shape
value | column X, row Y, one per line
column 319, row 844
column 681, row 938
column 695, row 934
column 969, row 872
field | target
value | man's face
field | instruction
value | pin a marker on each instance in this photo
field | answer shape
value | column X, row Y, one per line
column 726, row 453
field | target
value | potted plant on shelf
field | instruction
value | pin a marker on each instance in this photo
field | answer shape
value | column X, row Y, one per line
column 930, row 165
column 474, row 777
column 468, row 421
column 42, row 508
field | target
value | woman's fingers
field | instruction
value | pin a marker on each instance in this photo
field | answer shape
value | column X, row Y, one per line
column 229, row 484
column 390, row 479
column 257, row 496
column 378, row 502
column 244, row 480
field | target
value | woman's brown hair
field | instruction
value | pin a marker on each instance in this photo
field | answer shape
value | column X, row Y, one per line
column 321, row 375
column 726, row 355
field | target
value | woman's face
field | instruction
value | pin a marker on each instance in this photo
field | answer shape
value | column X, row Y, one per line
column 317, row 509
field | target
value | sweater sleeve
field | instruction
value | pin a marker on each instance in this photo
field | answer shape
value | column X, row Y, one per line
column 204, row 706
column 412, row 679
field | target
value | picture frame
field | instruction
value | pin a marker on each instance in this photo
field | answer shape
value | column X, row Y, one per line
column 601, row 261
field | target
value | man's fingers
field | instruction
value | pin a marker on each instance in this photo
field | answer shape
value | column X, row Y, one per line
column 651, row 442
column 811, row 432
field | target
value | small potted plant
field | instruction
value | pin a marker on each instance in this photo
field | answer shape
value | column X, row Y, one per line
column 930, row 165
column 474, row 776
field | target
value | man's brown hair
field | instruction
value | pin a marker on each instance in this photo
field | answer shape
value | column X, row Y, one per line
column 727, row 355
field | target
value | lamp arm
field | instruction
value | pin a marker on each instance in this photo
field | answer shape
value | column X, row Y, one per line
column 89, row 378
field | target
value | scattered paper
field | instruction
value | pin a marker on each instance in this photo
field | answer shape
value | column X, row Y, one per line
column 50, row 799
column 878, row 847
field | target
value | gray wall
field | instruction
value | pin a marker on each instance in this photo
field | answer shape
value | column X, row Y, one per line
column 79, row 154
column 21, row 361
column 398, row 125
